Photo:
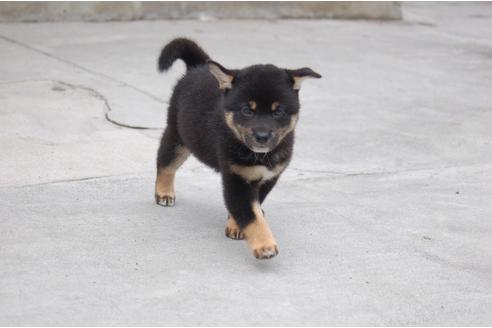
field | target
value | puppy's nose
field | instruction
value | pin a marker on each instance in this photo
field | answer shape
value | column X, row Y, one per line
column 262, row 136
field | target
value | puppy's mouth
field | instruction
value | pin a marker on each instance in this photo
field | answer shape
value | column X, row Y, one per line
column 260, row 147
column 260, row 150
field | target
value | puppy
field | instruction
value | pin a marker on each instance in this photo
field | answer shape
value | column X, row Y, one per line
column 241, row 123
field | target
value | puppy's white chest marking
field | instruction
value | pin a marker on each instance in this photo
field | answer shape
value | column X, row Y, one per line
column 257, row 172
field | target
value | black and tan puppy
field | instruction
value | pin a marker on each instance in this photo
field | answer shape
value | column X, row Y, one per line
column 239, row 122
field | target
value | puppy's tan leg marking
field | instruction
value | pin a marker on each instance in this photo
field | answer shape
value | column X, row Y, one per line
column 232, row 230
column 252, row 105
column 275, row 105
column 259, row 236
column 164, row 184
column 164, row 188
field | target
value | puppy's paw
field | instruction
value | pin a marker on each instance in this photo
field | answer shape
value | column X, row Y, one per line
column 265, row 252
column 165, row 200
column 234, row 233
column 232, row 230
column 260, row 238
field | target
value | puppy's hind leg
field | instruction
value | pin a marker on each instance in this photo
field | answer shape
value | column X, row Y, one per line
column 171, row 155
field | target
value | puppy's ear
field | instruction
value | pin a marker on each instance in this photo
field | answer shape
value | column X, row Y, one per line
column 299, row 75
column 222, row 74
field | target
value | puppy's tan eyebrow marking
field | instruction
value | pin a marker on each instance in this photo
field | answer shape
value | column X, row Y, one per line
column 275, row 104
column 252, row 104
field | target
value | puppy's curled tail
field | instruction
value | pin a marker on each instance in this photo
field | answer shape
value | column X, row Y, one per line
column 183, row 49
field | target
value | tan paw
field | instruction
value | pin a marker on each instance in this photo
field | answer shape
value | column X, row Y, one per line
column 232, row 230
column 165, row 200
column 259, row 236
column 164, row 188
column 265, row 252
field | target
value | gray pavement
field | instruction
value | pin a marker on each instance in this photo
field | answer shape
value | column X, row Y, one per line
column 383, row 217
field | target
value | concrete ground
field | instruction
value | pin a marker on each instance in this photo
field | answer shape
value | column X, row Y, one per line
column 383, row 217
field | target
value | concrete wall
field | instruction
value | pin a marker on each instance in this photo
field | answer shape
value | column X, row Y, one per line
column 135, row 10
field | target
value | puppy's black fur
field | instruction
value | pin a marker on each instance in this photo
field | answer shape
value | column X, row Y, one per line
column 239, row 122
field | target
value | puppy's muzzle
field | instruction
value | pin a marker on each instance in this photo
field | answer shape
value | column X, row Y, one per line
column 262, row 136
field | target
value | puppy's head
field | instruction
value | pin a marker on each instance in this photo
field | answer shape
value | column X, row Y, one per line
column 261, row 102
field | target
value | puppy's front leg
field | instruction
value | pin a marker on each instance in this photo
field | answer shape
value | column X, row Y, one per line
column 241, row 200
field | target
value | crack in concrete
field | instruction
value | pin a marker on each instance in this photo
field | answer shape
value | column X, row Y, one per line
column 93, row 92
column 100, row 96
column 99, row 177
column 78, row 66
column 336, row 174
column 350, row 174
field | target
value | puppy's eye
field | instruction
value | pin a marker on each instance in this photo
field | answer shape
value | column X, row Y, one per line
column 279, row 112
column 246, row 111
